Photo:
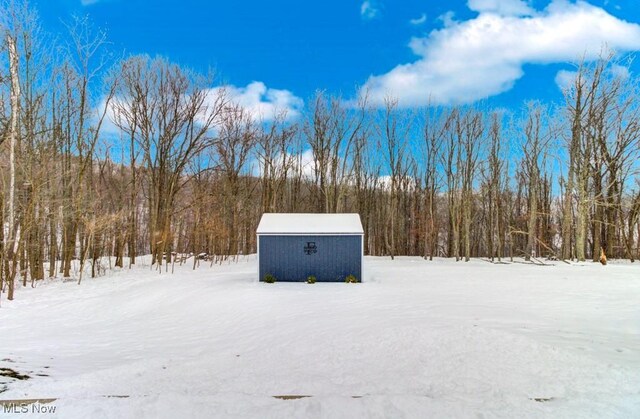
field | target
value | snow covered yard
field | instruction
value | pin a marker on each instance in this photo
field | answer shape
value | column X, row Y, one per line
column 418, row 339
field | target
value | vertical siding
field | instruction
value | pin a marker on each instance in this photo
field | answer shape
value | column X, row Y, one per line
column 291, row 258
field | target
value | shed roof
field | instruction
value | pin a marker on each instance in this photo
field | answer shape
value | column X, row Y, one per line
column 310, row 224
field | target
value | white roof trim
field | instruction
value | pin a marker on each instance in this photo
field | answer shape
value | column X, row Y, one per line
column 310, row 224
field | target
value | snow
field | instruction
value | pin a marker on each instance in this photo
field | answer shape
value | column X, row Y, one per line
column 272, row 223
column 416, row 339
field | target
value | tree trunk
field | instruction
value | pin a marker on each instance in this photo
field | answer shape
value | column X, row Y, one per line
column 12, row 133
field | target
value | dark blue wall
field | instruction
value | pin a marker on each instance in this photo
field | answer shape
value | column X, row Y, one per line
column 294, row 258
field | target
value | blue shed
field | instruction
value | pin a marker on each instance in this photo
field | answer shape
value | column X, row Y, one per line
column 292, row 247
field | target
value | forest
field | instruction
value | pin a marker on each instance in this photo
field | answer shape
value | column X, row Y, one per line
column 106, row 157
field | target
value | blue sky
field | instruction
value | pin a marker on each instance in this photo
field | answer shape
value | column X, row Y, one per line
column 420, row 51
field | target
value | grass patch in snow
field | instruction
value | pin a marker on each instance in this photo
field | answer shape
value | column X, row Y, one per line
column 8, row 372
column 542, row 399
column 290, row 397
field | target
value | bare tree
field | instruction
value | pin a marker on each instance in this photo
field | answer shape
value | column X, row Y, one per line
column 12, row 134
column 330, row 132
column 451, row 161
column 494, row 176
column 394, row 130
column 434, row 126
column 469, row 130
column 170, row 113
column 276, row 161
column 236, row 140
column 534, row 155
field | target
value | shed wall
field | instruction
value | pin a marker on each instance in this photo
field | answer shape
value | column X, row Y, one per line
column 294, row 258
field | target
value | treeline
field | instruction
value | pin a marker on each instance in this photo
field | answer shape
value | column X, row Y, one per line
column 124, row 157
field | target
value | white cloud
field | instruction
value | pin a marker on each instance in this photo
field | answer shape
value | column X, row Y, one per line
column 620, row 71
column 263, row 103
column 303, row 162
column 419, row 20
column 109, row 126
column 470, row 60
column 447, row 19
column 369, row 10
column 501, row 7
column 385, row 182
column 564, row 79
